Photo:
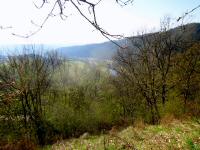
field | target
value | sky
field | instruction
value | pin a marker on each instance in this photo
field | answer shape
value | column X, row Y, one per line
column 74, row 30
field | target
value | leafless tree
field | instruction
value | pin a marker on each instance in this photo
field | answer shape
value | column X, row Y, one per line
column 165, row 43
column 137, row 66
column 145, row 64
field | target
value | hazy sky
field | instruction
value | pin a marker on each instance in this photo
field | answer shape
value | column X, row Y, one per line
column 143, row 14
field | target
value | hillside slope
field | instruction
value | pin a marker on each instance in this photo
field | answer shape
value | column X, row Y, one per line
column 182, row 135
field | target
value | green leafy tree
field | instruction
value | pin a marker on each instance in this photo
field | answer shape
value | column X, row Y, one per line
column 28, row 77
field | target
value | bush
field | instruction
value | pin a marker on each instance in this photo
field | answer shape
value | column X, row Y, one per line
column 23, row 144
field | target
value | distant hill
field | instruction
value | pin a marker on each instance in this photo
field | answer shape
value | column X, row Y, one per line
column 108, row 49
column 191, row 31
column 100, row 51
column 2, row 58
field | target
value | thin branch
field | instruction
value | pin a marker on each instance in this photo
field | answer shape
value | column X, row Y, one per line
column 39, row 27
column 103, row 32
column 124, row 3
column 5, row 27
column 187, row 13
column 39, row 7
column 92, row 21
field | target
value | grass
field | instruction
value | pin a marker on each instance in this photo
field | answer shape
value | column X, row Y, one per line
column 176, row 135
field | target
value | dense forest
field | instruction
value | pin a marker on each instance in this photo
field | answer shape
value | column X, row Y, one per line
column 45, row 98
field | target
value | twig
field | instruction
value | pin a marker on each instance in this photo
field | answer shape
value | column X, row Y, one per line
column 95, row 24
column 92, row 21
column 5, row 27
column 39, row 27
column 187, row 13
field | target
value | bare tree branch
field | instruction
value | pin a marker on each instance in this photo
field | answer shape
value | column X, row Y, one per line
column 187, row 13
column 5, row 27
column 95, row 24
column 43, row 2
column 124, row 3
column 39, row 26
column 91, row 9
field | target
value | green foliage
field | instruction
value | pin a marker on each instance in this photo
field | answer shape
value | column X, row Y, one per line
column 191, row 145
column 77, row 97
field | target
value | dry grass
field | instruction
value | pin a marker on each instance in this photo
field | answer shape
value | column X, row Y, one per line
column 171, row 134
